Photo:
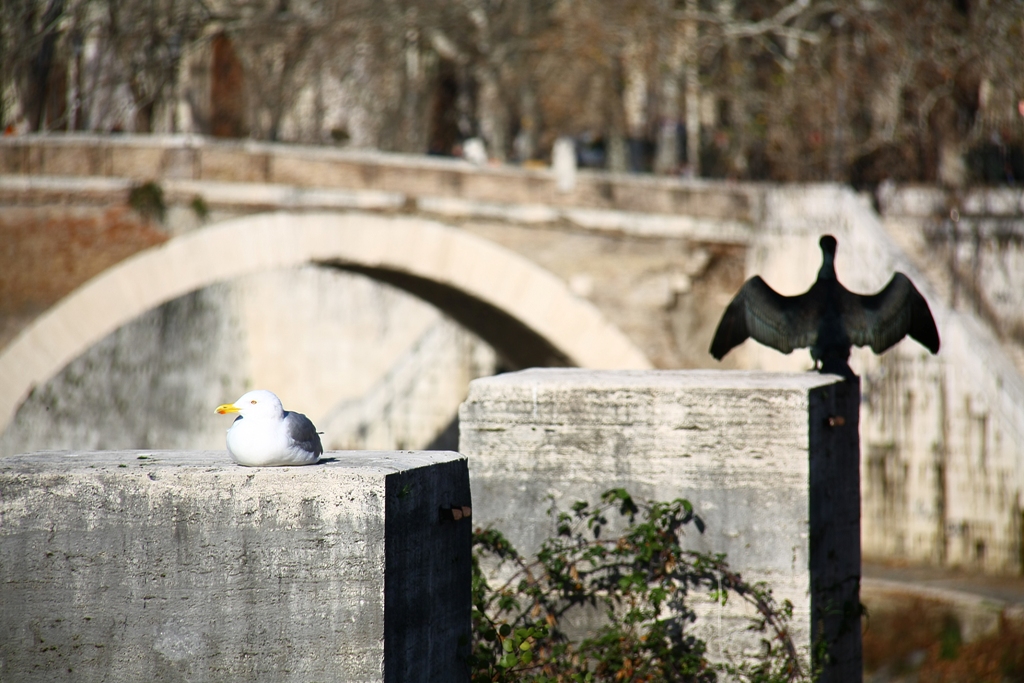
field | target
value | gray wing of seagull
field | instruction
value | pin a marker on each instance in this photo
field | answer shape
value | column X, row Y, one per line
column 880, row 320
column 781, row 322
column 302, row 432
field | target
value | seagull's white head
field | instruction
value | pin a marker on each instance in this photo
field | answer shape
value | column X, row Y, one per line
column 258, row 403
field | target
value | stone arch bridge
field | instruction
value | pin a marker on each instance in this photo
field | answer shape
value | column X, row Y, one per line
column 608, row 271
column 529, row 316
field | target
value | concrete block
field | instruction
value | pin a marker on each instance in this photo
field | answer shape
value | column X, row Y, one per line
column 769, row 461
column 181, row 566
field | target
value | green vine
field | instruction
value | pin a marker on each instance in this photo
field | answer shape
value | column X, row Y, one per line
column 641, row 580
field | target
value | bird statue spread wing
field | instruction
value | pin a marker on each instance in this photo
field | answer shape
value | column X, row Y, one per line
column 827, row 318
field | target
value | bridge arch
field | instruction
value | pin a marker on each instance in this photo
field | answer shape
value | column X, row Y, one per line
column 527, row 314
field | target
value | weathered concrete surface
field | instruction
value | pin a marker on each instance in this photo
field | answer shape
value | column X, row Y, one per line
column 149, row 384
column 753, row 452
column 180, row 566
column 975, row 262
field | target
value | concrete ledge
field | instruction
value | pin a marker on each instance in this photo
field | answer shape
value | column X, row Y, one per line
column 769, row 460
column 172, row 566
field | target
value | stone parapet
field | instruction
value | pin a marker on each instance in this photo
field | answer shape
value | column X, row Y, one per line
column 189, row 157
column 173, row 565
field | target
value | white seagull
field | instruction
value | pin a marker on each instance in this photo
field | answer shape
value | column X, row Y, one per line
column 266, row 435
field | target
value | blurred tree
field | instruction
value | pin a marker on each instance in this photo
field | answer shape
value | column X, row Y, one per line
column 146, row 39
column 924, row 75
column 778, row 90
column 29, row 37
column 273, row 39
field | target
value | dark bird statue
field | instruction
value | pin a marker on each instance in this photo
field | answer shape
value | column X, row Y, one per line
column 828, row 317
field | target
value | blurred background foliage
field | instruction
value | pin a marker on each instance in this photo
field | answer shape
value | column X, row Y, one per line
column 806, row 90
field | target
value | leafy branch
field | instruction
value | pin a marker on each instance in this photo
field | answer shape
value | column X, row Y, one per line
column 640, row 579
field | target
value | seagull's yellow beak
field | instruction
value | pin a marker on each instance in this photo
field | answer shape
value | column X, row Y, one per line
column 227, row 408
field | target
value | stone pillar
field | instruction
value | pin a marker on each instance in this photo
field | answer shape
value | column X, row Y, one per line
column 769, row 461
column 175, row 566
